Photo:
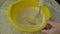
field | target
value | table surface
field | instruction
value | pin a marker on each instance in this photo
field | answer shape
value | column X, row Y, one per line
column 7, row 28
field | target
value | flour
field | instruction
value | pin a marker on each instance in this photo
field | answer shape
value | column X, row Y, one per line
column 28, row 17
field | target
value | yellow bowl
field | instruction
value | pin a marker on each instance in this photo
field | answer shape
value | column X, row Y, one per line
column 14, row 8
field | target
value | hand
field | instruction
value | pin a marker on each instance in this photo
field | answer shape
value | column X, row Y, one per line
column 52, row 28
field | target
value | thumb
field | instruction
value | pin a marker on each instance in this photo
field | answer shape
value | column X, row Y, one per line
column 51, row 23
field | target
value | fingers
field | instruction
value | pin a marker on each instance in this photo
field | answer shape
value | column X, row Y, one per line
column 55, row 29
column 49, row 25
column 51, row 31
column 45, row 31
column 49, row 28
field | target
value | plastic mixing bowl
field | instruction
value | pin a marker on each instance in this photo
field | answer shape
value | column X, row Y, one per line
column 26, row 16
